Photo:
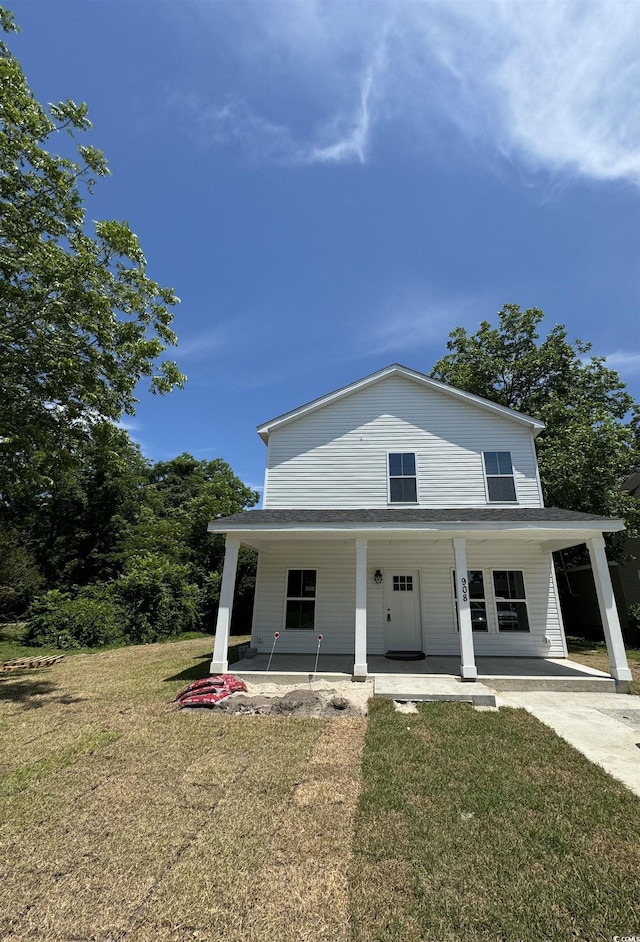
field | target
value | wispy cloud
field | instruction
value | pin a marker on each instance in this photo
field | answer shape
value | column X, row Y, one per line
column 127, row 425
column 414, row 319
column 219, row 339
column 552, row 85
column 626, row 362
column 351, row 137
column 343, row 137
column 204, row 342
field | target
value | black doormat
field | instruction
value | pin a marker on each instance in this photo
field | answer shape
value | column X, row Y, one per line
column 405, row 655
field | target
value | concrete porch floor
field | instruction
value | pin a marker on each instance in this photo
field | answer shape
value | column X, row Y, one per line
column 499, row 673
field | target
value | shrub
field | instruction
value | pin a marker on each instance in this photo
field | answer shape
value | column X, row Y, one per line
column 632, row 635
column 90, row 619
column 19, row 576
column 159, row 597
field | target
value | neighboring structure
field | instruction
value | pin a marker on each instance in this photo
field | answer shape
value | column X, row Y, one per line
column 403, row 516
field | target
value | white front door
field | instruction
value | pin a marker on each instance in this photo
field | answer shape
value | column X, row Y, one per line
column 403, row 626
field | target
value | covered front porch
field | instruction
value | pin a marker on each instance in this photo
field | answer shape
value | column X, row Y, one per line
column 477, row 594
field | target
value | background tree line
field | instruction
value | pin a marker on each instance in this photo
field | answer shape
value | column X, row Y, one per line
column 116, row 548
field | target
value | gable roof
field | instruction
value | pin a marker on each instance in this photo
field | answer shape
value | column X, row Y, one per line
column 396, row 369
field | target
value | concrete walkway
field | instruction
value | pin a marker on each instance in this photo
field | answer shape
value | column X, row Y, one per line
column 605, row 727
column 399, row 687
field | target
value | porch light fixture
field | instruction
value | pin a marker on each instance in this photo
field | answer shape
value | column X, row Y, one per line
column 377, row 577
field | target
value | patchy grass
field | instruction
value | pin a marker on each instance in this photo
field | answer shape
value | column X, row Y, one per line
column 124, row 819
column 12, row 644
column 487, row 826
column 594, row 654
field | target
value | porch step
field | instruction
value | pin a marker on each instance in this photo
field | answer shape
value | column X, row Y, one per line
column 602, row 684
column 431, row 687
column 289, row 677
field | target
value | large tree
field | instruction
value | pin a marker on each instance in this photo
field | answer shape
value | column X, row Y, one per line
column 81, row 323
column 591, row 440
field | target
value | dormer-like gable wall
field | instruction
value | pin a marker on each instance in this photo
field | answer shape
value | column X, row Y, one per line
column 338, row 456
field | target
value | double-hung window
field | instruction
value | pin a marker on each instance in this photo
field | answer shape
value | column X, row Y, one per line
column 498, row 469
column 301, row 599
column 511, row 601
column 477, row 602
column 403, row 485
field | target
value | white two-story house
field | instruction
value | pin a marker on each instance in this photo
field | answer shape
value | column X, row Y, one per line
column 403, row 517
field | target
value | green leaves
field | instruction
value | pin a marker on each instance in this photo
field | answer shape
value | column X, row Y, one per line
column 81, row 323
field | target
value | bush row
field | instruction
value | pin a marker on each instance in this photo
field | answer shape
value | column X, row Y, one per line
column 153, row 599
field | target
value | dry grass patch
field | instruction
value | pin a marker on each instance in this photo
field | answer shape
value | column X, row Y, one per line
column 127, row 820
column 490, row 828
column 301, row 891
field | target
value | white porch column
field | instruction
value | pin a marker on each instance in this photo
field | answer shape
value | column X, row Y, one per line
column 360, row 660
column 220, row 661
column 608, row 611
column 468, row 668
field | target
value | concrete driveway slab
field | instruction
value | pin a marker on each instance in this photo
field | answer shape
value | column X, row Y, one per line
column 605, row 727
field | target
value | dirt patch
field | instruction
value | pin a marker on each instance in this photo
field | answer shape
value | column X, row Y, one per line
column 296, row 701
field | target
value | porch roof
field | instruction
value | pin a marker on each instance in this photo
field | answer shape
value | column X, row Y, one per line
column 540, row 524
column 494, row 519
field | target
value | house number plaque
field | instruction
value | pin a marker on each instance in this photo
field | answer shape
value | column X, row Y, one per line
column 464, row 589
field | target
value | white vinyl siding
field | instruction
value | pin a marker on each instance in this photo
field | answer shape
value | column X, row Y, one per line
column 433, row 559
column 337, row 457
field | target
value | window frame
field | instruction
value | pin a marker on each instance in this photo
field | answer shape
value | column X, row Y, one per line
column 524, row 601
column 295, row 598
column 496, row 451
column 484, row 600
column 402, row 586
column 400, row 503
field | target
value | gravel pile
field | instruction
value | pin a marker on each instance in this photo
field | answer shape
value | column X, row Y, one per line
column 303, row 701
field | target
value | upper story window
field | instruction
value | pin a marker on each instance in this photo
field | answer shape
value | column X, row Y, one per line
column 501, row 487
column 403, row 486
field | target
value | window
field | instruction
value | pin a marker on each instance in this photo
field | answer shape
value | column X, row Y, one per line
column 511, row 605
column 499, row 473
column 403, row 487
column 475, row 581
column 403, row 583
column 301, row 599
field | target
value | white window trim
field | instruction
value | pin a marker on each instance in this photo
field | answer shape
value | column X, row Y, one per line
column 500, row 503
column 496, row 600
column 402, row 503
column 456, row 617
column 294, row 598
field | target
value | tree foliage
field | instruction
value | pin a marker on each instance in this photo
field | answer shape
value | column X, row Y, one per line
column 20, row 578
column 81, row 322
column 591, row 441
column 119, row 535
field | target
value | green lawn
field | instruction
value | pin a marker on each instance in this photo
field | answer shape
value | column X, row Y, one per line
column 125, row 819
column 486, row 826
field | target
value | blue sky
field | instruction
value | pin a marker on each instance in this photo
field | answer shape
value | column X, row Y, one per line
column 332, row 187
